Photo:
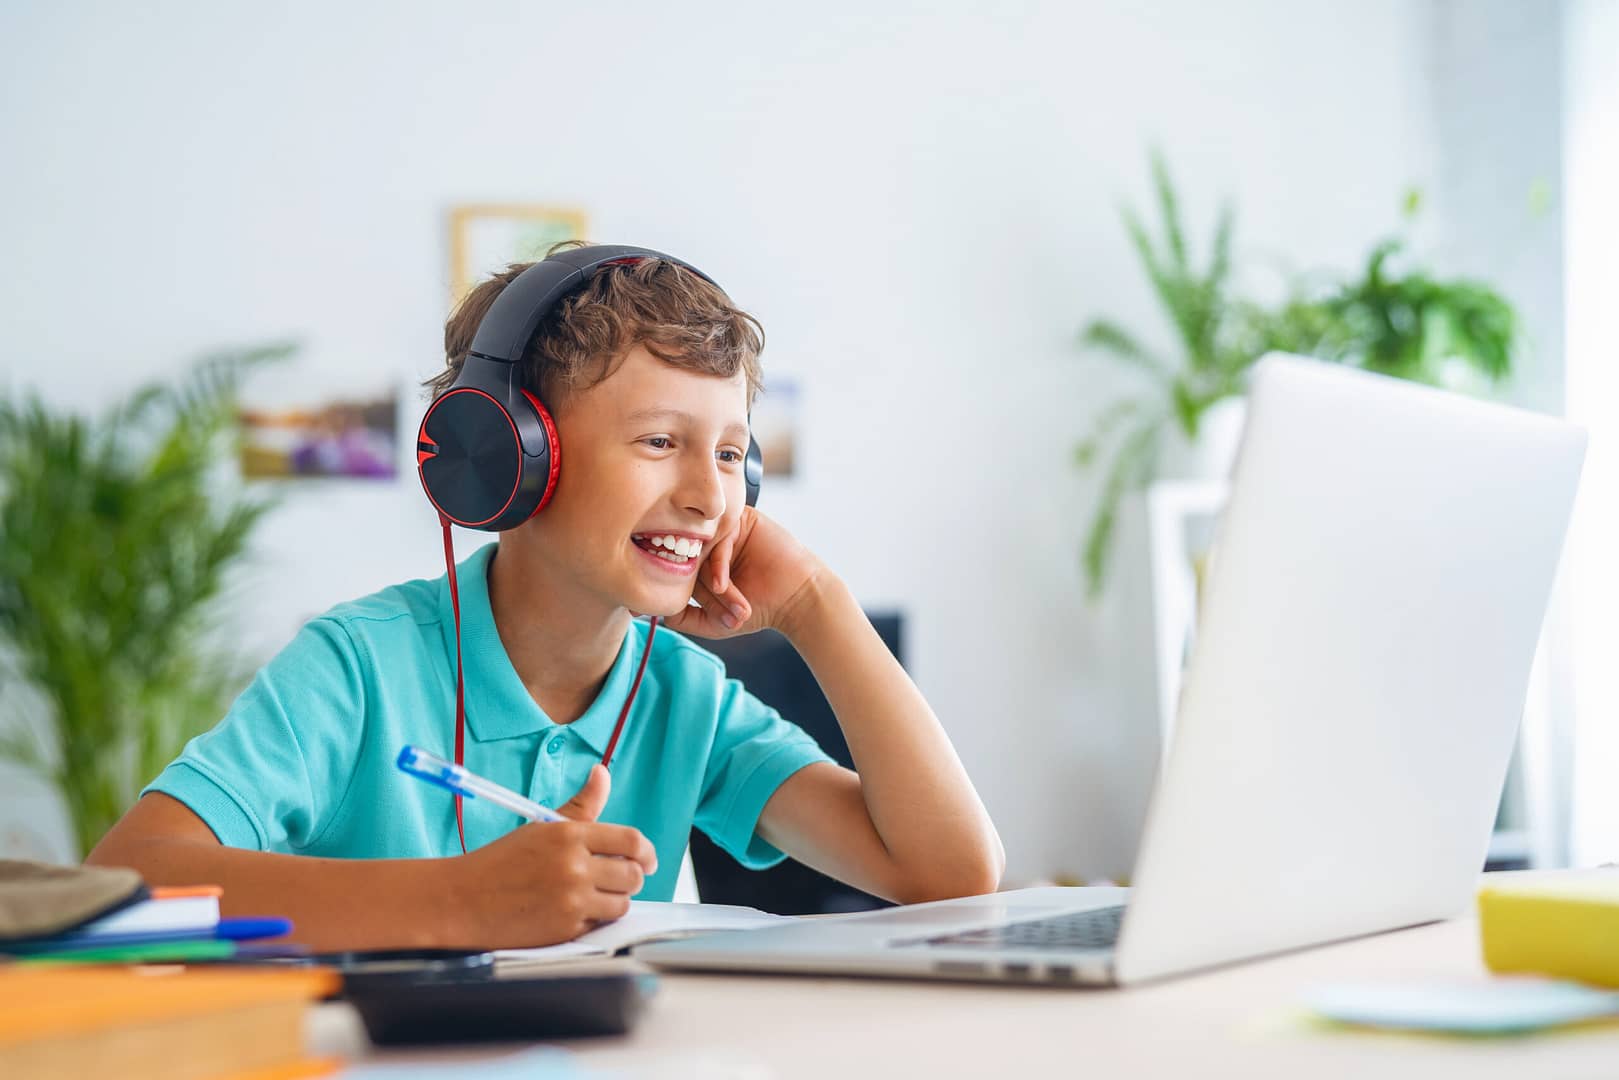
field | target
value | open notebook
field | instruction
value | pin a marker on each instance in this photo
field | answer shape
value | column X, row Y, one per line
column 646, row 921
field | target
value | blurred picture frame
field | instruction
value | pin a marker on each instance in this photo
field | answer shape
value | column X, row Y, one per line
column 774, row 423
column 340, row 437
column 485, row 237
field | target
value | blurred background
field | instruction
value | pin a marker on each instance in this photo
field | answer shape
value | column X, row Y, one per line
column 1012, row 265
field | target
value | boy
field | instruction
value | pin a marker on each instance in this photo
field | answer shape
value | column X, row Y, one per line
column 292, row 802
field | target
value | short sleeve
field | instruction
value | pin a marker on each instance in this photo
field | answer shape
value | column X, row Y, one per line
column 754, row 751
column 272, row 773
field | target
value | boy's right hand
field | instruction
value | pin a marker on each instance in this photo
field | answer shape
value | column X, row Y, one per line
column 547, row 882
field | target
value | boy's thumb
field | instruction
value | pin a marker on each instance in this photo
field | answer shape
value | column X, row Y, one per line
column 588, row 803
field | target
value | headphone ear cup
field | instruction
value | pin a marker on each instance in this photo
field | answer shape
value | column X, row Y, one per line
column 549, row 460
column 469, row 456
column 753, row 470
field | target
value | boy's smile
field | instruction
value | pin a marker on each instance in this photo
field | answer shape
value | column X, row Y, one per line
column 674, row 553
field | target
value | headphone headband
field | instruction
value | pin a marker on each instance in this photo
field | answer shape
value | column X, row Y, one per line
column 487, row 451
column 523, row 304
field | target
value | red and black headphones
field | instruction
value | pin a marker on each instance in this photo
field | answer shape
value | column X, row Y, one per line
column 488, row 452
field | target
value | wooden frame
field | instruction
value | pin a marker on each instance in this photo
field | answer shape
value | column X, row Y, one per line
column 477, row 246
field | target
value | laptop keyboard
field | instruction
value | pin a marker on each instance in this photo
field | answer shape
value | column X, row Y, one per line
column 1094, row 929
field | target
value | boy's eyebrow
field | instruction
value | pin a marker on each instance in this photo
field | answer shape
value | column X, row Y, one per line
column 655, row 413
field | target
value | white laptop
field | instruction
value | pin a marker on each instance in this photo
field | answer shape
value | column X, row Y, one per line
column 1374, row 596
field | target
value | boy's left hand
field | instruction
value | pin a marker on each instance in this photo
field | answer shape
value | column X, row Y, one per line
column 754, row 575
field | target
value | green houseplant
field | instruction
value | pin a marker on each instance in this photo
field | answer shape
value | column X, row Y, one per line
column 114, row 544
column 1408, row 324
column 1395, row 321
column 1212, row 351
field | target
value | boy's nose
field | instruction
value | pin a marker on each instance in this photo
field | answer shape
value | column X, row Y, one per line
column 704, row 492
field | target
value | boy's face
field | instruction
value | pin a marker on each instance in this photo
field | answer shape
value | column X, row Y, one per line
column 651, row 450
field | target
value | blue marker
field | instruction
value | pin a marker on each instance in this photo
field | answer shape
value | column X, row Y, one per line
column 447, row 774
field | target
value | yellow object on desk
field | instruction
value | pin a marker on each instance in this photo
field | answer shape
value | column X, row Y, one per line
column 59, row 1022
column 1565, row 925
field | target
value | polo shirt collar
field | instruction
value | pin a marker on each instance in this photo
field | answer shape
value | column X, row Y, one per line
column 499, row 706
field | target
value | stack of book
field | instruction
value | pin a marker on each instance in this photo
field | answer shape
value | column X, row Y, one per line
column 169, row 925
column 95, row 981
column 164, row 1023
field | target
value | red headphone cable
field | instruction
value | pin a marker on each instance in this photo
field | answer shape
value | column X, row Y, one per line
column 460, row 687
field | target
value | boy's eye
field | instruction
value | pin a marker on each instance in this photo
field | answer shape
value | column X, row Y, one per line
column 663, row 442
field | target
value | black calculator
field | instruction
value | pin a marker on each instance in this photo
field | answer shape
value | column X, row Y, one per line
column 476, row 1003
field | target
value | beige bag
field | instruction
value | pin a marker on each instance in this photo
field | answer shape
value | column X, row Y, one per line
column 40, row 899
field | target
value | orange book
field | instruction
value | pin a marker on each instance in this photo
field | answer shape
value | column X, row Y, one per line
column 181, row 892
column 306, row 1069
column 162, row 1023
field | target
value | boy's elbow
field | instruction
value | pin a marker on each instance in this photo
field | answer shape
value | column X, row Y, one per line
column 965, row 877
column 983, row 879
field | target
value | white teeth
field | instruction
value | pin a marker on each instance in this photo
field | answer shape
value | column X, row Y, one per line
column 675, row 549
column 678, row 545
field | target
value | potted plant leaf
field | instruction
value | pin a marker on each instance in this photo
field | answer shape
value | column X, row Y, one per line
column 114, row 546
column 1406, row 323
column 1409, row 324
column 1212, row 351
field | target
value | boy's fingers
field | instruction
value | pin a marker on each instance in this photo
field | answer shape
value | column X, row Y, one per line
column 717, row 609
column 710, row 604
column 605, row 907
column 625, row 841
column 616, row 875
column 588, row 803
column 720, row 562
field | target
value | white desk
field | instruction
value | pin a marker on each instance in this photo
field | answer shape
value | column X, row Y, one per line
column 1240, row 1021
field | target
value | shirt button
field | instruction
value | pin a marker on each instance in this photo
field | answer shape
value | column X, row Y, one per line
column 554, row 746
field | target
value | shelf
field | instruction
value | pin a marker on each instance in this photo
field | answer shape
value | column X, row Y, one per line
column 1510, row 844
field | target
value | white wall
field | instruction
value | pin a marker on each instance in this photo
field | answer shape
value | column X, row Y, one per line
column 1497, row 91
column 920, row 206
column 1591, row 143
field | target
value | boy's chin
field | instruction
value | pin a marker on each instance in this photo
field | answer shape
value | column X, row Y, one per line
column 663, row 607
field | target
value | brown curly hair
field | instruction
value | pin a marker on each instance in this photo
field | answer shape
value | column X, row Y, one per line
column 676, row 314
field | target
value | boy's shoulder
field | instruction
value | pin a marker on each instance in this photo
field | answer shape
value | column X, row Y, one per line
column 674, row 649
column 683, row 660
column 690, row 674
column 412, row 603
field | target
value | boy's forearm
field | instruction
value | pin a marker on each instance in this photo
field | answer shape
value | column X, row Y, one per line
column 920, row 799
column 334, row 904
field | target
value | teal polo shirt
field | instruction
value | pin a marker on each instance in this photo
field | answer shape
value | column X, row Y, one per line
column 304, row 760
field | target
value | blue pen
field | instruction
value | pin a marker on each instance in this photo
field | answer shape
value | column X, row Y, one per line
column 245, row 928
column 447, row 774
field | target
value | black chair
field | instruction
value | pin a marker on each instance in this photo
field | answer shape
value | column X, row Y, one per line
column 773, row 672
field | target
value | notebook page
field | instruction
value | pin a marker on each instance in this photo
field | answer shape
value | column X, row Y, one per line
column 648, row 920
column 163, row 913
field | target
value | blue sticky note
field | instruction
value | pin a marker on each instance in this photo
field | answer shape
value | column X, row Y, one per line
column 539, row 1063
column 1486, row 1007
